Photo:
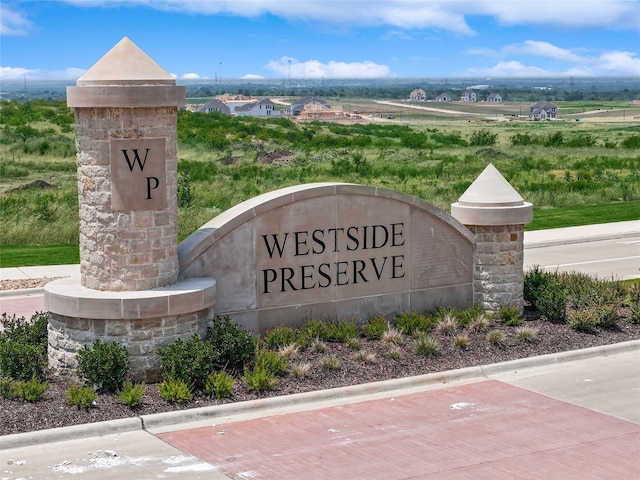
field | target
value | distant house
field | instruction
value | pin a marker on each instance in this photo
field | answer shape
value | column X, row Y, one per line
column 214, row 106
column 317, row 109
column 444, row 97
column 418, row 95
column 297, row 108
column 263, row 108
column 543, row 110
column 494, row 98
column 468, row 96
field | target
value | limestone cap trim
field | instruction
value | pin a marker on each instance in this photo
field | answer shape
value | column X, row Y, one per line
column 126, row 96
column 491, row 200
column 68, row 298
column 489, row 215
column 211, row 232
column 126, row 77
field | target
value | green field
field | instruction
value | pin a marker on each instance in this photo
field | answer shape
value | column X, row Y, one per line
column 574, row 172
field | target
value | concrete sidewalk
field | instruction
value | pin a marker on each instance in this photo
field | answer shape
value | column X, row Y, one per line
column 573, row 415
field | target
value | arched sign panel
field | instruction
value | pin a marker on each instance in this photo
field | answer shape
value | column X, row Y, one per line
column 331, row 251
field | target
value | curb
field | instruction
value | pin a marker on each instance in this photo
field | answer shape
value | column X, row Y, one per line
column 573, row 240
column 269, row 406
column 22, row 292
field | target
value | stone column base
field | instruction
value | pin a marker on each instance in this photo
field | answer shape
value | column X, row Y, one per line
column 143, row 321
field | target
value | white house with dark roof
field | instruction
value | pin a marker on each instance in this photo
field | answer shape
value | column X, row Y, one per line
column 418, row 95
column 214, row 106
column 543, row 110
column 263, row 108
column 494, row 98
column 297, row 108
column 444, row 97
column 468, row 96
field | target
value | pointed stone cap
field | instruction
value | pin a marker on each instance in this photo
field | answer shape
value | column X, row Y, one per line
column 491, row 200
column 125, row 77
column 126, row 64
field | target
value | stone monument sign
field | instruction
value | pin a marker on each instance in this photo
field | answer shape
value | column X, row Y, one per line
column 327, row 251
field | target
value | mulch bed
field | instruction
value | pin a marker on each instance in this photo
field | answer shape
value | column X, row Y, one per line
column 21, row 416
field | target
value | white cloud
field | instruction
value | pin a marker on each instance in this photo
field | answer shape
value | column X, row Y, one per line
column 569, row 13
column 413, row 14
column 19, row 73
column 13, row 22
column 251, row 76
column 191, row 76
column 546, row 50
column 611, row 64
column 332, row 69
column 511, row 68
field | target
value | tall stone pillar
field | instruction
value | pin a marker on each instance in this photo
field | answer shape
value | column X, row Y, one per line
column 496, row 214
column 126, row 109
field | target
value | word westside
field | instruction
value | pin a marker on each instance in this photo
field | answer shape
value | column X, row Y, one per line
column 306, row 275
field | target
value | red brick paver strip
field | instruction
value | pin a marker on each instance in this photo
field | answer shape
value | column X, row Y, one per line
column 22, row 306
column 486, row 430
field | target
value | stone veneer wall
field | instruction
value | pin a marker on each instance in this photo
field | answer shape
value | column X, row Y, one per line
column 498, row 272
column 142, row 337
column 128, row 250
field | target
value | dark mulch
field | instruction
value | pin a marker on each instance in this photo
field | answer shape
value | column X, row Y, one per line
column 20, row 416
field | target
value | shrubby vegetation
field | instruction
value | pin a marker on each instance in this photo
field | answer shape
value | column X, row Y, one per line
column 227, row 355
column 552, row 164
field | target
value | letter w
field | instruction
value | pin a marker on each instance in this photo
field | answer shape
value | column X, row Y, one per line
column 136, row 158
column 276, row 244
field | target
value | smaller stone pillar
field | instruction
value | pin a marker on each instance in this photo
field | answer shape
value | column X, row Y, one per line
column 496, row 214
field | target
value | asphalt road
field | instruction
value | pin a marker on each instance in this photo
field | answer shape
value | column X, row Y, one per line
column 606, row 259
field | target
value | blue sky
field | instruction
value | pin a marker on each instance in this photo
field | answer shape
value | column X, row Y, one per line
column 275, row 39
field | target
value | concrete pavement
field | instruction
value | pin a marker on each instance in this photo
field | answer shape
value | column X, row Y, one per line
column 563, row 411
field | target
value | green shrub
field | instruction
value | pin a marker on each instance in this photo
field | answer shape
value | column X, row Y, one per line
column 608, row 316
column 632, row 142
column 279, row 337
column 584, row 320
column 81, row 396
column 465, row 317
column 7, row 388
column 235, row 347
column 341, row 331
column 510, row 315
column 219, row 385
column 375, row 327
column 552, row 303
column 259, row 379
column 483, row 137
column 23, row 347
column 104, row 365
column 190, row 361
column 271, row 362
column 31, row 390
column 410, row 323
column 426, row 346
column 175, row 391
column 315, row 329
column 131, row 394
